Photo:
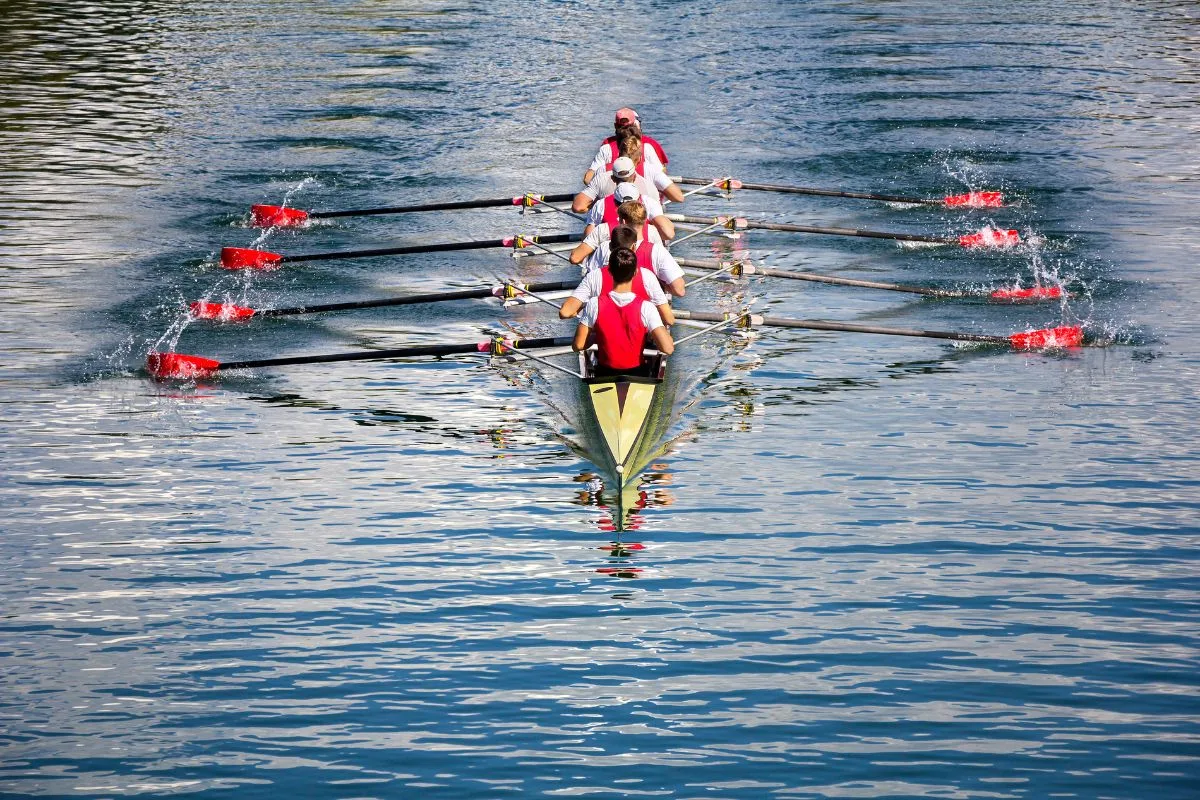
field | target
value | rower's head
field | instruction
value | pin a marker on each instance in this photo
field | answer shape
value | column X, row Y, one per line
column 624, row 169
column 627, row 193
column 632, row 213
column 629, row 144
column 622, row 237
column 626, row 118
column 622, row 264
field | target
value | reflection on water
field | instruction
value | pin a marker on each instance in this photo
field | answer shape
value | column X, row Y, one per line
column 625, row 502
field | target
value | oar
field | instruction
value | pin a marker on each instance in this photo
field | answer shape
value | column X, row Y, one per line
column 186, row 367
column 969, row 200
column 988, row 237
column 1063, row 336
column 228, row 312
column 264, row 216
column 245, row 258
column 1007, row 295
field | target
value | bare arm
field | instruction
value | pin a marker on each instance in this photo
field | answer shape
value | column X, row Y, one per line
column 570, row 308
column 581, row 338
column 666, row 228
column 587, row 176
column 581, row 252
column 662, row 340
column 665, row 312
column 677, row 288
column 581, row 203
column 673, row 193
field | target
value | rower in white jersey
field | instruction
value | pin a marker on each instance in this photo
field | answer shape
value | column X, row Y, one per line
column 623, row 238
column 652, row 182
column 629, row 145
column 593, row 252
column 601, row 204
column 626, row 119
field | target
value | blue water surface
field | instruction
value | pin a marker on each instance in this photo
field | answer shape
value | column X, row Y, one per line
column 864, row 565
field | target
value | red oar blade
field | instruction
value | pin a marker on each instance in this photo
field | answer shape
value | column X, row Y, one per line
column 245, row 258
column 276, row 217
column 975, row 200
column 221, row 312
column 1032, row 294
column 1061, row 337
column 178, row 366
column 990, row 237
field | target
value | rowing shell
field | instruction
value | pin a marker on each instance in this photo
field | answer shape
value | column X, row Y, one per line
column 630, row 413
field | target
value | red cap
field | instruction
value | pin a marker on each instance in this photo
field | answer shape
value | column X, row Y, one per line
column 627, row 116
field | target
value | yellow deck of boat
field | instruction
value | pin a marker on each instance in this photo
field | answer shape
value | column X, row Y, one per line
column 621, row 409
column 628, row 412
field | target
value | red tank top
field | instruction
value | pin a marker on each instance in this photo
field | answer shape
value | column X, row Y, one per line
column 620, row 334
column 610, row 212
column 609, row 216
column 645, row 253
column 638, row 287
column 611, row 141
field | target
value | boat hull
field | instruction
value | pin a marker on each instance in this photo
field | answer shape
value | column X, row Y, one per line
column 629, row 414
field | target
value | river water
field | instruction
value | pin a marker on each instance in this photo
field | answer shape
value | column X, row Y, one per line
column 864, row 566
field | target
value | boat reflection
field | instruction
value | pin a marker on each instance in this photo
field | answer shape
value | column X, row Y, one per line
column 624, row 513
column 625, row 503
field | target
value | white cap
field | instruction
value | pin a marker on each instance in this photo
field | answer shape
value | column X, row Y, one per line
column 623, row 167
column 627, row 191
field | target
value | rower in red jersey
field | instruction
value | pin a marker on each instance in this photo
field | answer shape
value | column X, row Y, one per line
column 626, row 118
column 618, row 321
column 608, row 190
column 651, row 179
column 594, row 251
column 597, row 282
column 629, row 145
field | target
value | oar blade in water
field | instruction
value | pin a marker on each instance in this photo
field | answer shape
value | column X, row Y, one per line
column 1048, row 338
column 180, row 366
column 247, row 258
column 277, row 217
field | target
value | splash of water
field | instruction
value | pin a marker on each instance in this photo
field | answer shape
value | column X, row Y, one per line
column 966, row 171
column 304, row 185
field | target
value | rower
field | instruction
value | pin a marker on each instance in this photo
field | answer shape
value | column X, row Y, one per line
column 629, row 144
column 593, row 252
column 599, row 282
column 626, row 119
column 600, row 198
column 618, row 321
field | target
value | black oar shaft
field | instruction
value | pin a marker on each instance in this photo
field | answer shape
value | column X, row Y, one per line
column 849, row 327
column 446, row 206
column 821, row 325
column 829, row 279
column 779, row 226
column 429, row 248
column 411, row 299
column 401, row 352
column 900, row 237
column 771, row 187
